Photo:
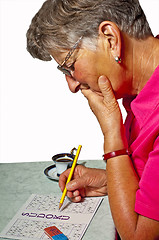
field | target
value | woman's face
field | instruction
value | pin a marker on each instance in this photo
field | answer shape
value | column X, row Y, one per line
column 87, row 66
column 85, row 74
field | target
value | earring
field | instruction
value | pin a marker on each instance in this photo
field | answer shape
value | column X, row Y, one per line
column 118, row 59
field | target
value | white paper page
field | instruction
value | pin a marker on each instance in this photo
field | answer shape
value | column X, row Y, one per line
column 41, row 211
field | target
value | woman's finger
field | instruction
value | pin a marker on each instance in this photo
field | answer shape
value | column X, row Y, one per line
column 63, row 179
column 110, row 101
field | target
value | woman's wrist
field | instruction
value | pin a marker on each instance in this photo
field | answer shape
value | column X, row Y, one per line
column 114, row 142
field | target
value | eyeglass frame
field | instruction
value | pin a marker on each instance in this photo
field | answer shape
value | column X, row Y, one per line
column 61, row 66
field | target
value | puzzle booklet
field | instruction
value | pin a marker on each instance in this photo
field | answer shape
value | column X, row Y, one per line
column 40, row 212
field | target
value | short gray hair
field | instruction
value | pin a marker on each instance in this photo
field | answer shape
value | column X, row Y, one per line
column 59, row 23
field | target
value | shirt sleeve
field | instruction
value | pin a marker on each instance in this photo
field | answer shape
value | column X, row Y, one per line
column 147, row 196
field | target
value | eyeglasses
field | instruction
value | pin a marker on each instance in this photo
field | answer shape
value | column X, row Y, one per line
column 62, row 67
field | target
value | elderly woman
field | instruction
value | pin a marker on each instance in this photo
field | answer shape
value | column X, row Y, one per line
column 106, row 49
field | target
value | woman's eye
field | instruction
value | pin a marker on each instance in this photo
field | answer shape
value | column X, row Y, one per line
column 71, row 66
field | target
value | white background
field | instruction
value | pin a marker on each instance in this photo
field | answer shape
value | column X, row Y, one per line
column 39, row 117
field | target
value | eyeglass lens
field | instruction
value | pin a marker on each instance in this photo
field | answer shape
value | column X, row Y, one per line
column 64, row 71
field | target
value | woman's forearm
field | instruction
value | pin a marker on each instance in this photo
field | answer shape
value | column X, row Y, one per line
column 122, row 186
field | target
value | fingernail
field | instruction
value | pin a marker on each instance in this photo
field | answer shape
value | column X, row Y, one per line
column 69, row 185
column 75, row 194
column 102, row 79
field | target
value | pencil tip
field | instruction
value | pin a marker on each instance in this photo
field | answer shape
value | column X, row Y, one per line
column 60, row 205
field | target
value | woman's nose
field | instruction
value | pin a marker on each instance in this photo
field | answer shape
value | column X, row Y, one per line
column 73, row 85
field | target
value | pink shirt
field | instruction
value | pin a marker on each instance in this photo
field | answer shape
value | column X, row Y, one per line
column 142, row 127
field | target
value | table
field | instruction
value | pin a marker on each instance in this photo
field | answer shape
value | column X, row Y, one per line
column 19, row 180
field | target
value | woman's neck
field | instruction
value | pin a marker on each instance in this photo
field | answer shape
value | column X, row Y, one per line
column 145, row 58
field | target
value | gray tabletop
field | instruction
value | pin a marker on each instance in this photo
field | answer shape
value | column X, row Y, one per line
column 19, row 180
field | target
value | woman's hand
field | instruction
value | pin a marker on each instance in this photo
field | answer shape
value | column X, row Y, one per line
column 87, row 182
column 106, row 109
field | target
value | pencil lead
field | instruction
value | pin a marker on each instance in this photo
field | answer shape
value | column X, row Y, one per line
column 60, row 205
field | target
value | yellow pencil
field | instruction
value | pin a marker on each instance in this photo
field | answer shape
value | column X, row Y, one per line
column 70, row 175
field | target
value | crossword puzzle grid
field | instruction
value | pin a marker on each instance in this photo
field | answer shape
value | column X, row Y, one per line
column 35, row 229
column 51, row 203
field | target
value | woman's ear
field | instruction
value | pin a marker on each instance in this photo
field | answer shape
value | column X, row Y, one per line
column 113, row 37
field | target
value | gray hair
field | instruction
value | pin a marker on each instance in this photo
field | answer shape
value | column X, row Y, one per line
column 59, row 23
